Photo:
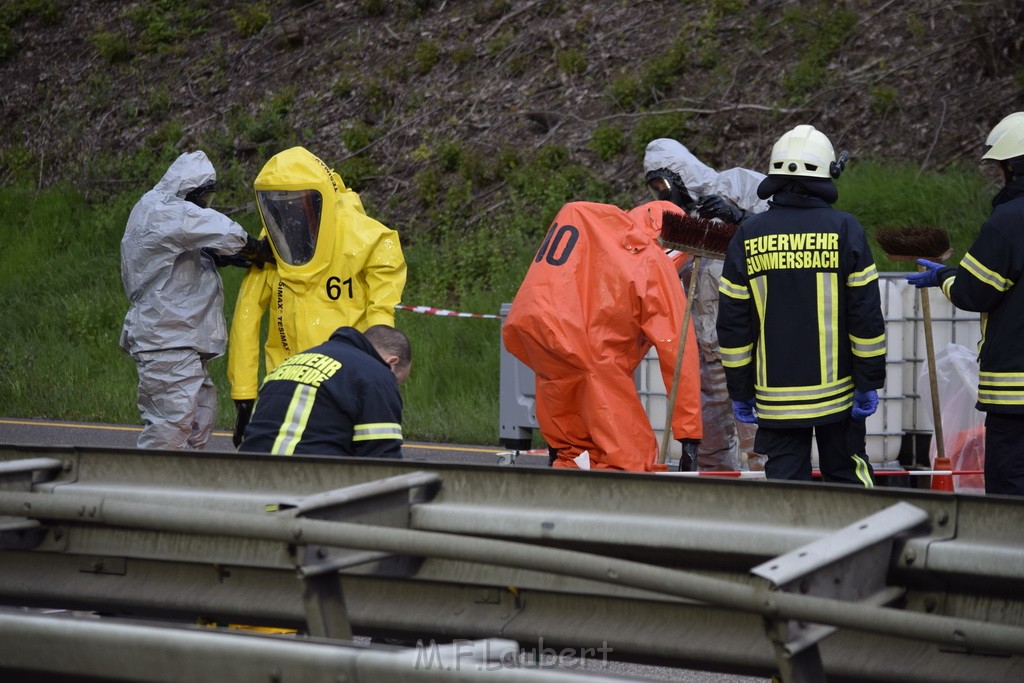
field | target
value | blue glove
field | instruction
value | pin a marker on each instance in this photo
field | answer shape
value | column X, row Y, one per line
column 864, row 403
column 744, row 411
column 926, row 278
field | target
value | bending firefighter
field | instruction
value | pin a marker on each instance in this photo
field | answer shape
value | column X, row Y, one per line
column 800, row 322
column 597, row 296
column 175, row 325
column 336, row 267
column 338, row 398
column 674, row 173
column 988, row 280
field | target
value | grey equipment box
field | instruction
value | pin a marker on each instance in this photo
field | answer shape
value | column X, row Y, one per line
column 516, row 405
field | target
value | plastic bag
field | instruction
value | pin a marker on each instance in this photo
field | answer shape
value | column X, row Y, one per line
column 963, row 426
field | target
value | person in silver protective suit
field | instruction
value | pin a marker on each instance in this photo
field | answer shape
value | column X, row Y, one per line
column 728, row 195
column 175, row 325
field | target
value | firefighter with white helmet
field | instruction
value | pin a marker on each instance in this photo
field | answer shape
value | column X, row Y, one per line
column 800, row 323
column 729, row 195
column 986, row 280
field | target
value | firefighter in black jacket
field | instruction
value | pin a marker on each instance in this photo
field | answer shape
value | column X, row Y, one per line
column 800, row 322
column 987, row 281
column 338, row 398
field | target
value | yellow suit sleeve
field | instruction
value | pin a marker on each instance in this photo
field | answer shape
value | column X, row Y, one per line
column 385, row 279
column 244, row 340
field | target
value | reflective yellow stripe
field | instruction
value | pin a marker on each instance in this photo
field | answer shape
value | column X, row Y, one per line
column 294, row 424
column 990, row 377
column 808, row 392
column 1001, row 388
column 760, row 293
column 947, row 285
column 733, row 290
column 1001, row 398
column 986, row 275
column 863, row 277
column 735, row 357
column 868, row 348
column 861, row 469
column 828, row 323
column 372, row 431
column 812, row 410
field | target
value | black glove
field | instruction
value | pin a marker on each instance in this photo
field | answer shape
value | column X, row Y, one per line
column 244, row 412
column 257, row 252
column 221, row 260
column 714, row 206
column 688, row 458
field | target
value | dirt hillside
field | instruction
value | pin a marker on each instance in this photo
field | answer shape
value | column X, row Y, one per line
column 383, row 89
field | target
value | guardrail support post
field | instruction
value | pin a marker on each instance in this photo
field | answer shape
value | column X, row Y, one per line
column 386, row 502
column 850, row 564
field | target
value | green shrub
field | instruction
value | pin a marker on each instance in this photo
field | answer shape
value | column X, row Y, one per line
column 884, row 99
column 166, row 25
column 8, row 42
column 426, row 55
column 572, row 61
column 251, row 19
column 607, row 141
column 113, row 47
column 674, row 125
column 375, row 8
column 463, row 54
column 356, row 135
column 343, row 87
column 357, row 171
column 818, row 33
column 17, row 165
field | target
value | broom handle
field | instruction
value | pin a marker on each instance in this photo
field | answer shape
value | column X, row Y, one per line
column 929, row 347
column 667, row 435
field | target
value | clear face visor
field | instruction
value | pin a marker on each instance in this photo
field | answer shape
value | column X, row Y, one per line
column 659, row 186
column 292, row 218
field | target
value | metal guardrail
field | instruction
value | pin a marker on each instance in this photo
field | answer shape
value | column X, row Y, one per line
column 655, row 569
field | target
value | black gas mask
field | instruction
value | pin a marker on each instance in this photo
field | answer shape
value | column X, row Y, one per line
column 202, row 196
column 667, row 186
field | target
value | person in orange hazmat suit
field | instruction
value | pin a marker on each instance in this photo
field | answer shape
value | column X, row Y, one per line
column 597, row 296
column 336, row 267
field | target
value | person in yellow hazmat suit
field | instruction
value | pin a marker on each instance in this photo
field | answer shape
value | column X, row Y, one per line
column 336, row 267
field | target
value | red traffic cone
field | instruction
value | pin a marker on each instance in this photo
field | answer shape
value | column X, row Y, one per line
column 942, row 482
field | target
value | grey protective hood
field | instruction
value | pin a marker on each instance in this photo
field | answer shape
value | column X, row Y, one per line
column 186, row 173
column 175, row 292
column 737, row 184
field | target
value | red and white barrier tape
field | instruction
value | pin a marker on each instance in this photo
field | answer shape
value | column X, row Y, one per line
column 758, row 474
column 442, row 311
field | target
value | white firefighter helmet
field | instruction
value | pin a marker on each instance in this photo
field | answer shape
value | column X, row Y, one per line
column 1006, row 141
column 803, row 151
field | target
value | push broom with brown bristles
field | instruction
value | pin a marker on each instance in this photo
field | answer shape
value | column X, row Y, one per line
column 702, row 238
column 909, row 244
